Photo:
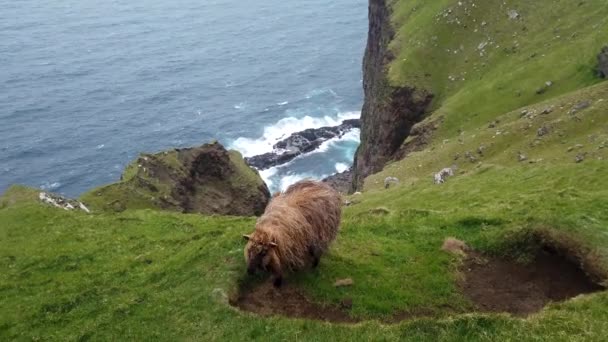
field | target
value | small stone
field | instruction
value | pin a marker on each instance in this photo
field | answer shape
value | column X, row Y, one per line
column 513, row 14
column 481, row 149
column 580, row 157
column 344, row 282
column 580, row 106
column 544, row 130
column 390, row 180
column 346, row 303
column 470, row 157
column 521, row 157
column 547, row 110
column 441, row 176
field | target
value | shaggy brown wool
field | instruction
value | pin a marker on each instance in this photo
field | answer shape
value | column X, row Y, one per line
column 296, row 228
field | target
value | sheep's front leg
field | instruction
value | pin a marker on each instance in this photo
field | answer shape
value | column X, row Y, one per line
column 277, row 271
column 315, row 253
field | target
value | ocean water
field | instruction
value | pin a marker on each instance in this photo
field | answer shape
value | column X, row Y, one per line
column 85, row 86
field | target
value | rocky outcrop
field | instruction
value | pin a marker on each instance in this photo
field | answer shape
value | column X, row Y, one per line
column 341, row 182
column 62, row 202
column 389, row 112
column 206, row 179
column 602, row 60
column 300, row 143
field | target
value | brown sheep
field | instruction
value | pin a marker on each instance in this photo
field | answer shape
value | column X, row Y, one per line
column 297, row 227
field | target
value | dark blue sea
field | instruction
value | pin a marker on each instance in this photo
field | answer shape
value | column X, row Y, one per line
column 85, row 86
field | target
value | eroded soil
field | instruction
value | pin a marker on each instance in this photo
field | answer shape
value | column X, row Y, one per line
column 492, row 285
column 266, row 300
column 499, row 285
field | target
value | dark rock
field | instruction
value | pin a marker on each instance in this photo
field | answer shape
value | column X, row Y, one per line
column 346, row 303
column 547, row 110
column 543, row 130
column 580, row 106
column 602, row 61
column 300, row 143
column 419, row 137
column 340, row 181
column 544, row 88
column 388, row 112
column 580, row 157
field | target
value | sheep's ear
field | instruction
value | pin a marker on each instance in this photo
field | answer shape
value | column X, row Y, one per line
column 246, row 237
column 273, row 244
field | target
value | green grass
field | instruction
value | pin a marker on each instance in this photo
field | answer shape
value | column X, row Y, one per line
column 554, row 41
column 147, row 274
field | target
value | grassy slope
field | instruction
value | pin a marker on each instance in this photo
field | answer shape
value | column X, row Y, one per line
column 144, row 274
column 553, row 40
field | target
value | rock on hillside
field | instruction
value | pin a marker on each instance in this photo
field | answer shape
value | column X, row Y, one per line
column 206, row 179
column 602, row 60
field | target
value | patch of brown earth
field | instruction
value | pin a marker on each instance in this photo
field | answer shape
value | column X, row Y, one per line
column 266, row 300
column 289, row 301
column 498, row 285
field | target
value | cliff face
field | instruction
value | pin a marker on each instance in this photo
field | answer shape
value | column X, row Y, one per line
column 388, row 112
column 206, row 179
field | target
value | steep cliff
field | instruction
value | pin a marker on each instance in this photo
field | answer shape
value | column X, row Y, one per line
column 389, row 112
column 436, row 70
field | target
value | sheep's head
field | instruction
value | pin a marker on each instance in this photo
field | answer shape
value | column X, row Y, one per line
column 258, row 252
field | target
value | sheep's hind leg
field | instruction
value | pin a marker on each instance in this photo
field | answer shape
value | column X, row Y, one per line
column 278, row 280
column 315, row 253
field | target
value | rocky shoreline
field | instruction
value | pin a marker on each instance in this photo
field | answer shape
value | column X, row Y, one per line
column 300, row 143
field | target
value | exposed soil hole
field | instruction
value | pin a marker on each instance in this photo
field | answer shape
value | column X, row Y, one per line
column 499, row 285
column 492, row 284
column 266, row 300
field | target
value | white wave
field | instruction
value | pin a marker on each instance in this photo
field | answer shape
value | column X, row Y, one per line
column 267, row 175
column 318, row 92
column 341, row 167
column 283, row 103
column 239, row 105
column 285, row 127
column 50, row 186
column 352, row 135
column 100, row 146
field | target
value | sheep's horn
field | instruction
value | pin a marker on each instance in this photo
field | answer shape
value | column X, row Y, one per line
column 246, row 237
column 273, row 244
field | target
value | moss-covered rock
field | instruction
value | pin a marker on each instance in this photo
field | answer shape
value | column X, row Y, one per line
column 206, row 179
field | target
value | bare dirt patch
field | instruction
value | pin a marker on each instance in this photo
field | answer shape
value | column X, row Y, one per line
column 266, row 300
column 499, row 285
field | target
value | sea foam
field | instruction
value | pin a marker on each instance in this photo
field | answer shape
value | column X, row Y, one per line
column 285, row 127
